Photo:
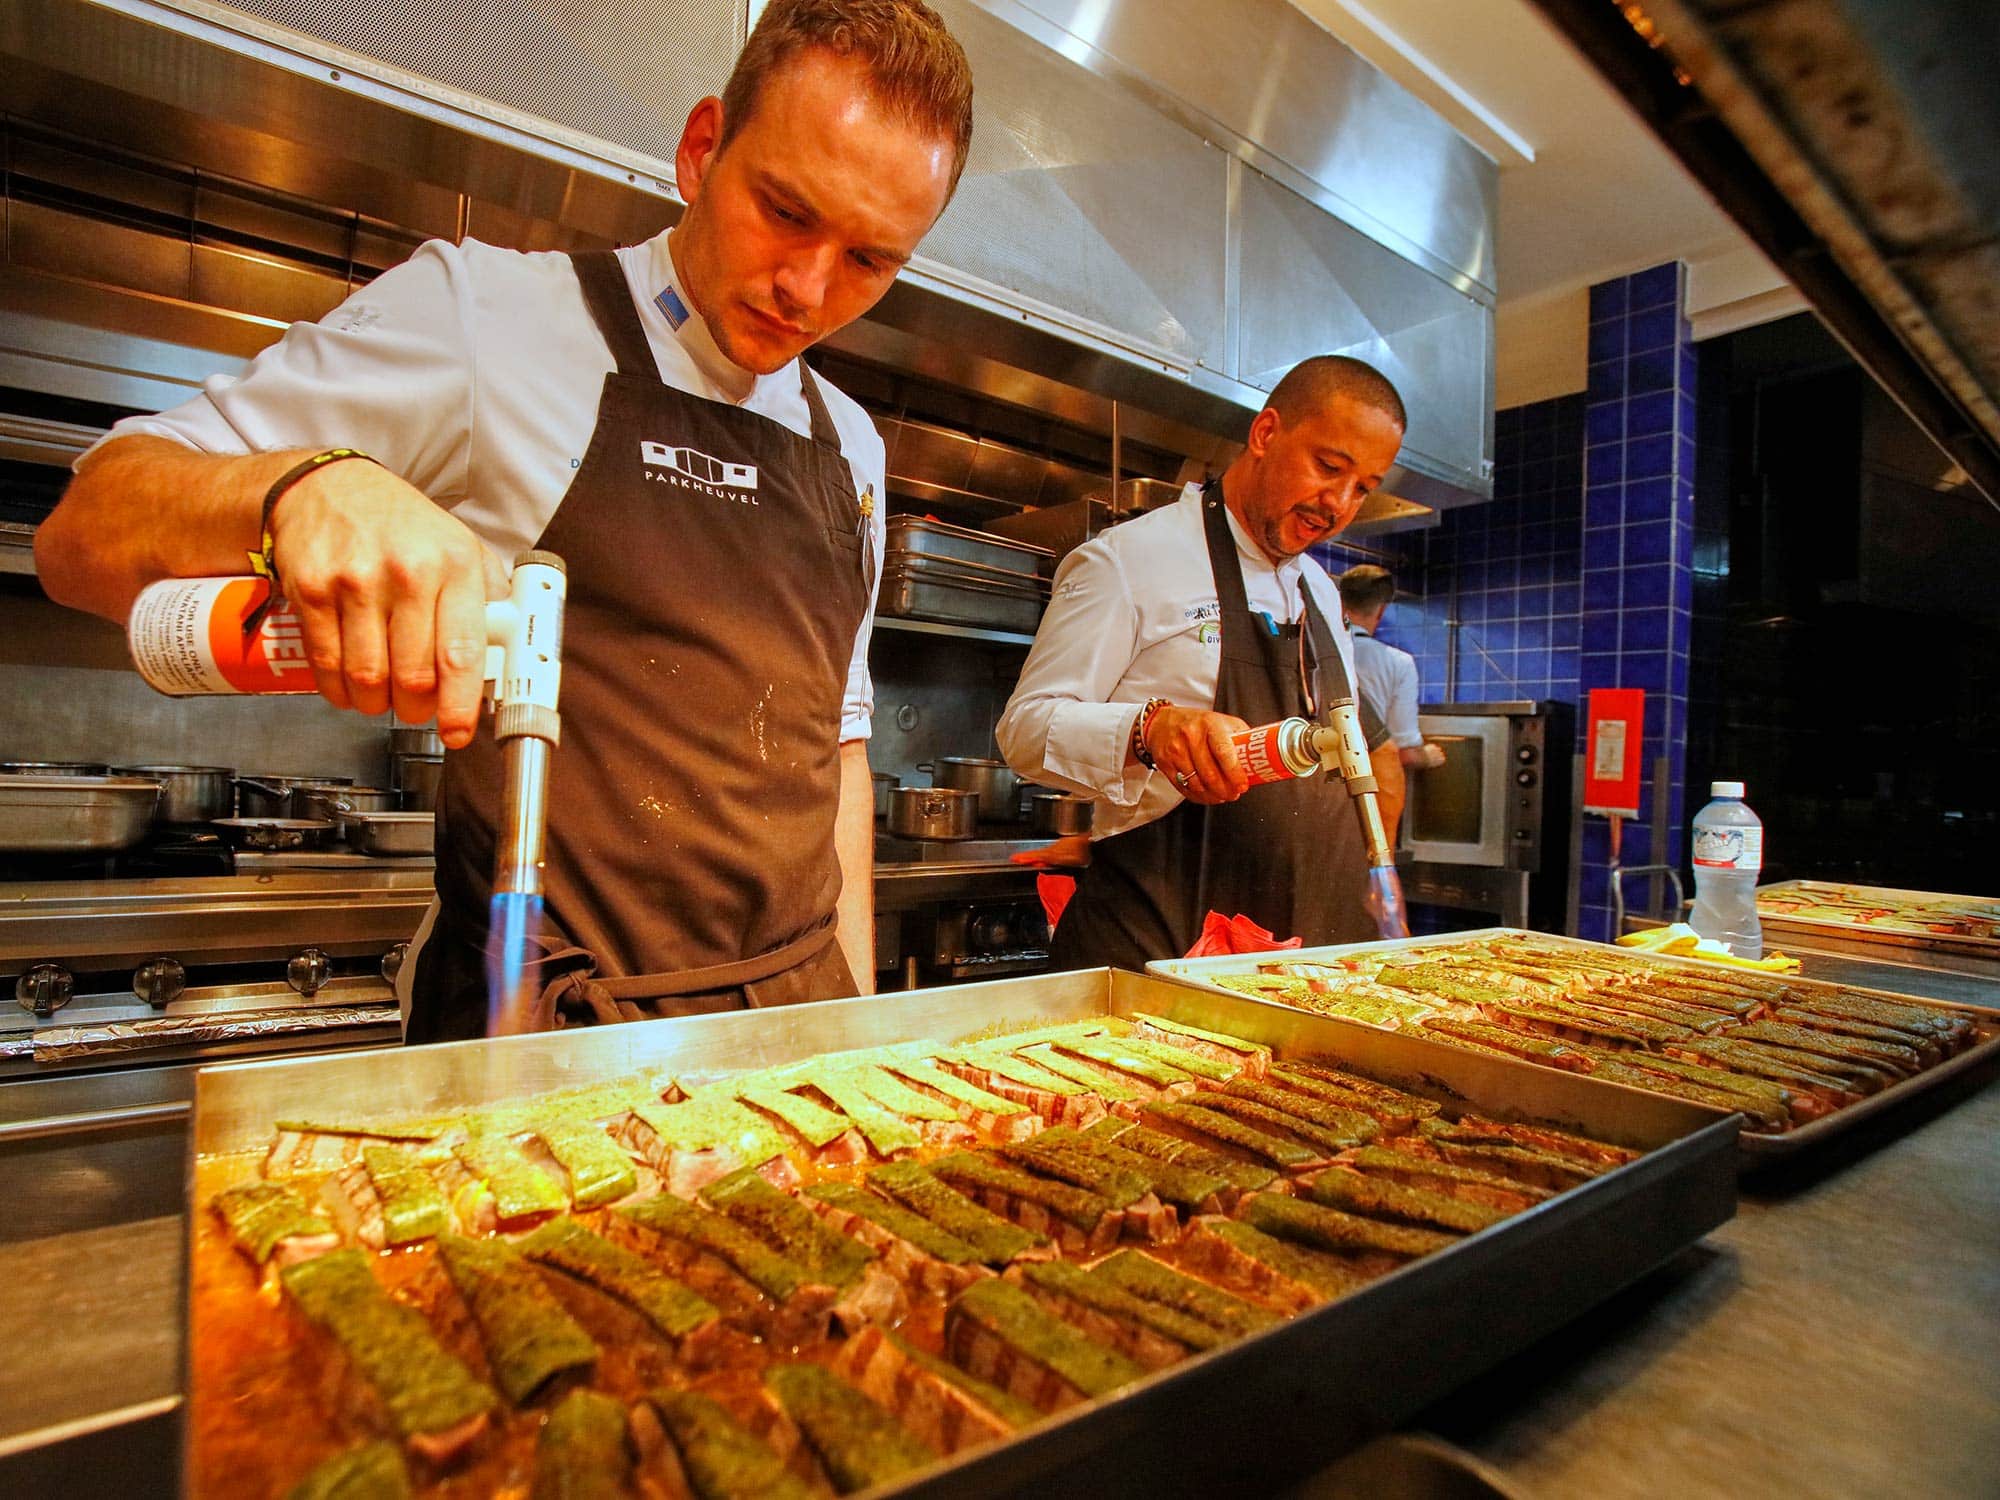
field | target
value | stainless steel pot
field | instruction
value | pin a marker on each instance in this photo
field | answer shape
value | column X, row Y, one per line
column 407, row 739
column 933, row 812
column 53, row 768
column 327, row 801
column 74, row 814
column 267, row 796
column 389, row 833
column 416, row 778
column 1059, row 814
column 884, row 784
column 992, row 781
column 189, row 794
column 275, row 835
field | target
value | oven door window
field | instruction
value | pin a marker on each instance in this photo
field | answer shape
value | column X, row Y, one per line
column 1448, row 811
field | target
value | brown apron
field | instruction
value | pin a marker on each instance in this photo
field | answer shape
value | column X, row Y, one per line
column 718, row 573
column 1289, row 855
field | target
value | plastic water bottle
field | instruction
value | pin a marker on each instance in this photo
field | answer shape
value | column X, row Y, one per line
column 1728, row 853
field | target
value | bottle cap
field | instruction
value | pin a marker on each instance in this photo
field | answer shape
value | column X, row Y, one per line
column 1725, row 789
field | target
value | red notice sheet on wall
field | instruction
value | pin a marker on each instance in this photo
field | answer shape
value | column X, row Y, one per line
column 1612, row 753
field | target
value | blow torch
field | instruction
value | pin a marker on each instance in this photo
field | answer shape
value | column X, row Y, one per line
column 196, row 636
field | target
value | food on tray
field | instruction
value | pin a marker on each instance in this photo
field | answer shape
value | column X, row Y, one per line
column 1920, row 913
column 816, row 1277
column 1782, row 1051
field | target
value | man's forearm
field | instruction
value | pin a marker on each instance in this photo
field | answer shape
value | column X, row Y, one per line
column 145, row 508
column 854, row 845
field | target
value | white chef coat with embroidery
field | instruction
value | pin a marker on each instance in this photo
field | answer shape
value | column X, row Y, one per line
column 1134, row 616
column 474, row 373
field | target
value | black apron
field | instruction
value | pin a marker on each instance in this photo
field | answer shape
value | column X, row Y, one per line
column 1288, row 855
column 718, row 570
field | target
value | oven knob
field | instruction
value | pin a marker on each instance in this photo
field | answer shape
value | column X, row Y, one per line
column 392, row 963
column 1525, row 755
column 159, row 982
column 45, row 989
column 1524, row 778
column 309, row 971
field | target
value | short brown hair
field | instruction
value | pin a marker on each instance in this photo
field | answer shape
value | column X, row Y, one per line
column 1364, row 587
column 1312, row 383
column 916, row 65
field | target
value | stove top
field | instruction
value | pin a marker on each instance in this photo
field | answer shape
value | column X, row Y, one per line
column 992, row 844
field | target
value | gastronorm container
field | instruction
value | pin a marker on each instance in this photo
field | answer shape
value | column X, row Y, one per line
column 912, row 591
column 915, row 536
column 1239, row 1419
column 75, row 814
column 389, row 833
column 1202, row 971
column 189, row 795
column 1958, row 952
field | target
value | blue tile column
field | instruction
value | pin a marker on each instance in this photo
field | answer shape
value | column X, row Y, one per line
column 1638, row 548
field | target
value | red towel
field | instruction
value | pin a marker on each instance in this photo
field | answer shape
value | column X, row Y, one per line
column 1055, row 891
column 1237, row 934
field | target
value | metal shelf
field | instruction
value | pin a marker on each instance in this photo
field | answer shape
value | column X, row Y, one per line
column 957, row 632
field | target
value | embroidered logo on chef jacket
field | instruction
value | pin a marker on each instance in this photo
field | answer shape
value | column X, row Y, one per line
column 670, row 305
column 692, row 469
column 1212, row 610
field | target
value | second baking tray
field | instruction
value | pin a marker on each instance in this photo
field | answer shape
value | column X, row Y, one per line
column 1960, row 953
column 1203, row 971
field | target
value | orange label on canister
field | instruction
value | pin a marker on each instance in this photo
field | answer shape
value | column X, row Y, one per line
column 1270, row 752
column 187, row 638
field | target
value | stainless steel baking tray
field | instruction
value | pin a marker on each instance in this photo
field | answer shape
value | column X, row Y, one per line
column 1239, row 1419
column 919, row 597
column 75, row 814
column 1201, row 971
column 390, row 833
column 1942, row 950
column 915, row 536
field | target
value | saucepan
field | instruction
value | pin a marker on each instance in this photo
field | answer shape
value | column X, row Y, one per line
column 884, row 785
column 389, row 833
column 274, row 835
column 189, row 795
column 1059, row 814
column 992, row 781
column 269, row 796
column 328, row 800
column 933, row 812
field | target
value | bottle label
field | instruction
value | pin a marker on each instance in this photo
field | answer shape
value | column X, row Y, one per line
column 1729, row 848
column 187, row 638
column 1262, row 753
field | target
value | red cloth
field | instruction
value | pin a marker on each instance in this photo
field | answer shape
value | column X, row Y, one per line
column 1055, row 891
column 1237, row 934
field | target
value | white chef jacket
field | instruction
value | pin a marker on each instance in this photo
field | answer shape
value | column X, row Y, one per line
column 1135, row 616
column 474, row 373
column 1386, row 678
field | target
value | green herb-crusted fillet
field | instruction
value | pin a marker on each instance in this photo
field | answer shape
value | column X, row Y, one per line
column 520, row 1189
column 1379, row 1198
column 889, row 1091
column 1356, row 1129
column 424, row 1387
column 925, row 1071
column 1235, row 1132
column 1064, row 1278
column 599, row 1170
column 860, row 1444
column 529, row 1339
column 1004, row 1064
column 1011, row 1315
column 970, row 1173
column 1087, row 1077
column 1183, row 1186
column 997, row 1240
column 789, row 1227
column 1329, row 1229
column 1065, row 1159
column 722, row 1459
column 771, row 1273
column 368, row 1471
column 711, row 1119
column 1345, row 1121
column 261, row 1215
column 1005, row 1405
column 413, row 1206
column 581, row 1453
column 1156, row 1062
column 1215, row 1038
column 1143, row 1140
column 819, row 1125
column 897, row 1220
column 1138, row 1273
column 669, row 1306
column 887, row 1133
column 1327, row 1275
column 1350, row 1096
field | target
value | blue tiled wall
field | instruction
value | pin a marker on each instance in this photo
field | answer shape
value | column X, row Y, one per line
column 1638, row 546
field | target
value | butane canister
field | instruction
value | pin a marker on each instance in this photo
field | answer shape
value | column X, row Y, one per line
column 1276, row 752
column 187, row 638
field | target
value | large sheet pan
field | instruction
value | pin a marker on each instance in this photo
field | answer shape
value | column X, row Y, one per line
column 1237, row 1420
column 1939, row 950
column 1202, row 971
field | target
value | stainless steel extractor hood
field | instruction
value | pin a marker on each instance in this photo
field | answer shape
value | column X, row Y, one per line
column 1134, row 228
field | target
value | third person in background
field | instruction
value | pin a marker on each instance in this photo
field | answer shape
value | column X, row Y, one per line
column 1386, row 682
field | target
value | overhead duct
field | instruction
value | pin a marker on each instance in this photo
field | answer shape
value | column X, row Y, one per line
column 1127, row 231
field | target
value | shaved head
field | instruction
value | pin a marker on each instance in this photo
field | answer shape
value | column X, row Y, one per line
column 1312, row 385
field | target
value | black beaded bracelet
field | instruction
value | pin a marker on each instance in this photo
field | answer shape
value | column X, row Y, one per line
column 262, row 561
column 1140, row 725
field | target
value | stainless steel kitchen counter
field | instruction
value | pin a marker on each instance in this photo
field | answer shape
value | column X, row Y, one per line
column 1836, row 1339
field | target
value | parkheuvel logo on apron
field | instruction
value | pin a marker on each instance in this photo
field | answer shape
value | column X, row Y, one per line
column 692, row 469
